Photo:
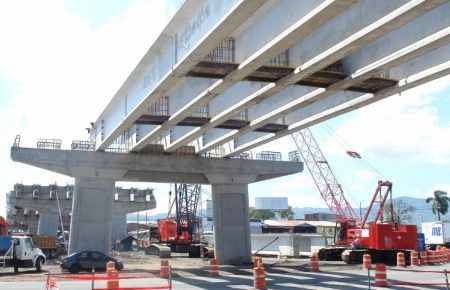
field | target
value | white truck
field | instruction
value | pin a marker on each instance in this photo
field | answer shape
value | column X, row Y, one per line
column 436, row 233
column 20, row 252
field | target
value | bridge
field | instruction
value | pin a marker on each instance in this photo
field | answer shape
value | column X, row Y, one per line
column 225, row 77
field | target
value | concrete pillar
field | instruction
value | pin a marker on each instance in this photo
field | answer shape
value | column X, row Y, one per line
column 91, row 215
column 48, row 223
column 231, row 223
column 32, row 227
column 119, row 227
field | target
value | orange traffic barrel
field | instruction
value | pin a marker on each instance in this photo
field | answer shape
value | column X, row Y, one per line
column 437, row 257
column 414, row 258
column 259, row 279
column 314, row 263
column 257, row 261
column 400, row 259
column 442, row 258
column 213, row 267
column 431, row 258
column 164, row 271
column 110, row 266
column 424, row 258
column 367, row 261
column 113, row 279
column 380, row 275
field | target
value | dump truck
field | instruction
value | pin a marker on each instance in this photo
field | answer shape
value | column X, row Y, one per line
column 48, row 244
column 20, row 252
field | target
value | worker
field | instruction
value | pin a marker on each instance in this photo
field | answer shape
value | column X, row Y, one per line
column 356, row 244
column 117, row 245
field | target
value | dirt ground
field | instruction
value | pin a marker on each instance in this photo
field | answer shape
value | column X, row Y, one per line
column 181, row 265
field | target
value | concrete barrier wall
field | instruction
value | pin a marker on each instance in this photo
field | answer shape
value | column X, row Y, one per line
column 292, row 245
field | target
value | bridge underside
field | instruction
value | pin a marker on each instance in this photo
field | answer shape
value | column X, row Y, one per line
column 224, row 79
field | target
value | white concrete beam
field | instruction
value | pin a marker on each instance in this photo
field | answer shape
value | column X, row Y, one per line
column 300, row 29
column 364, row 100
column 384, row 25
column 195, row 53
column 413, row 50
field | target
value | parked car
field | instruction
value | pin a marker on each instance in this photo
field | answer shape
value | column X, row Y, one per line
column 86, row 260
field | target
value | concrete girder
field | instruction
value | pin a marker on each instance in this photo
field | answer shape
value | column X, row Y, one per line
column 426, row 25
column 419, row 64
column 283, row 41
column 380, row 27
column 413, row 50
column 409, row 82
column 218, row 31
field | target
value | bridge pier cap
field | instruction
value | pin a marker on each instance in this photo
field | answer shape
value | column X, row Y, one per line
column 153, row 168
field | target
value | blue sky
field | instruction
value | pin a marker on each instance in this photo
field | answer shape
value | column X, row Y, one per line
column 62, row 61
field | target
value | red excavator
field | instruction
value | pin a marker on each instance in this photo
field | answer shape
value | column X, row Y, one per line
column 382, row 239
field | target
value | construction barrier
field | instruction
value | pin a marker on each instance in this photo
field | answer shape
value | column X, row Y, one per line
column 380, row 275
column 424, row 258
column 164, row 270
column 417, row 271
column 116, row 276
column 314, row 263
column 213, row 267
column 367, row 261
column 400, row 259
column 259, row 278
column 414, row 258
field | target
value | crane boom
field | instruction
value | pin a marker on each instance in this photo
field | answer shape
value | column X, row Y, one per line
column 324, row 178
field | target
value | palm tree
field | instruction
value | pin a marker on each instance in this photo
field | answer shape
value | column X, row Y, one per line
column 440, row 203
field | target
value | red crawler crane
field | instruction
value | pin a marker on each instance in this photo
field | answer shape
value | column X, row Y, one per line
column 380, row 238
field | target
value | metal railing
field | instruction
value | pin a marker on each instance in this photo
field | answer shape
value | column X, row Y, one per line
column 83, row 145
column 269, row 155
column 49, row 144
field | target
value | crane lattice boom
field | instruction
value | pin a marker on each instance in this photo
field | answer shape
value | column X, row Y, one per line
column 324, row 178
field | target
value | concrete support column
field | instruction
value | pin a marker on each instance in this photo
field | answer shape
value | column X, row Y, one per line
column 119, row 227
column 231, row 223
column 32, row 227
column 92, row 206
column 48, row 223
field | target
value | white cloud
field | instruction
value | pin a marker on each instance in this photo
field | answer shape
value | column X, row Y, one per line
column 403, row 127
column 65, row 72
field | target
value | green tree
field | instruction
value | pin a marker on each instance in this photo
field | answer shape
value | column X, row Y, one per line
column 287, row 213
column 264, row 214
column 440, row 202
